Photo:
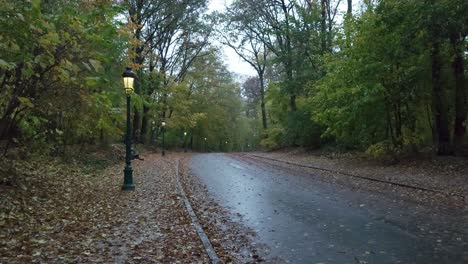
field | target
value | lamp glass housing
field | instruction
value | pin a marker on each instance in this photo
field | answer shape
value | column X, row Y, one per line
column 128, row 84
column 128, row 79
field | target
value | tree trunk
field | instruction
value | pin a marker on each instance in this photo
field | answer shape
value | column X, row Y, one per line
column 461, row 101
column 191, row 140
column 136, row 14
column 292, row 103
column 136, row 125
column 289, row 54
column 430, row 122
column 349, row 14
column 144, row 124
column 398, row 125
column 262, row 98
column 323, row 25
column 439, row 104
column 290, row 78
column 6, row 119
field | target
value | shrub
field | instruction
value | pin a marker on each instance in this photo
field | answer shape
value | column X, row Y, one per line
column 273, row 138
column 381, row 150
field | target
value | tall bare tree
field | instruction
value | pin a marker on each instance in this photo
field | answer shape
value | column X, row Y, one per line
column 169, row 37
column 238, row 33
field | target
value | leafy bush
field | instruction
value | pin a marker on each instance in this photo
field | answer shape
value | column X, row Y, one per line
column 381, row 150
column 273, row 138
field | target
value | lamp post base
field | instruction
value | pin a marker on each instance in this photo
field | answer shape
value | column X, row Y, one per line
column 128, row 187
column 128, row 180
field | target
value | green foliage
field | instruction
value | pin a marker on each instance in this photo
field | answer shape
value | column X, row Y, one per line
column 387, row 74
column 298, row 128
column 277, row 104
column 207, row 104
column 381, row 150
column 273, row 138
column 374, row 88
column 384, row 81
column 58, row 72
column 348, row 106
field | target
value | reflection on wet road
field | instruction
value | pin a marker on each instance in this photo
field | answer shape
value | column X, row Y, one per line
column 306, row 221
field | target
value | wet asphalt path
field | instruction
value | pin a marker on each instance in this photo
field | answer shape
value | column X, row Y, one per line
column 303, row 220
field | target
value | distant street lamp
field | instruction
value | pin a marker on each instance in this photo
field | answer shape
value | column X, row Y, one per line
column 204, row 145
column 128, row 78
column 185, row 141
column 163, row 128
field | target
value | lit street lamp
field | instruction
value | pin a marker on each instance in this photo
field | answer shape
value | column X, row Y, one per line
column 163, row 125
column 204, row 145
column 185, row 141
column 128, row 78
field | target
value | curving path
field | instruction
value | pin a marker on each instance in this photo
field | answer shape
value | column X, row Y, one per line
column 304, row 220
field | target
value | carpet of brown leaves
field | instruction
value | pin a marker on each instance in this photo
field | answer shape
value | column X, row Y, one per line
column 52, row 212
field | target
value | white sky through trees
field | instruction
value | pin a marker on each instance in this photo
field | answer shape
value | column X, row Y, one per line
column 234, row 63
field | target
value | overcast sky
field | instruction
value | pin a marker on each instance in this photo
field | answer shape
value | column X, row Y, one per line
column 234, row 63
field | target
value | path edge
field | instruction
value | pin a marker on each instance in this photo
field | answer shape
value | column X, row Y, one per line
column 214, row 259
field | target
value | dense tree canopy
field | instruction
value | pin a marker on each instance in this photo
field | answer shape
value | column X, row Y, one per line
column 58, row 71
column 388, row 78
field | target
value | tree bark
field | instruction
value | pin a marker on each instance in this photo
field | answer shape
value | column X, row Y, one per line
column 461, row 101
column 350, row 8
column 292, row 97
column 136, row 125
column 262, row 100
column 292, row 102
column 136, row 15
column 144, row 124
column 439, row 104
column 323, row 24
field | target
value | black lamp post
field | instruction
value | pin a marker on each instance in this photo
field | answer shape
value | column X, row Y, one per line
column 185, row 141
column 163, row 124
column 204, row 145
column 128, row 78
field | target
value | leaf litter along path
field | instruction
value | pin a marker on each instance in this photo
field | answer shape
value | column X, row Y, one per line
column 447, row 174
column 232, row 239
column 56, row 213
